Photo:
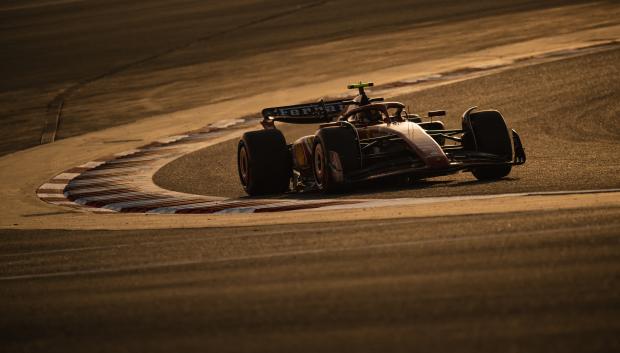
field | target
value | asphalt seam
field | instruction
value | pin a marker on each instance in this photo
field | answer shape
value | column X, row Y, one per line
column 297, row 233
column 286, row 254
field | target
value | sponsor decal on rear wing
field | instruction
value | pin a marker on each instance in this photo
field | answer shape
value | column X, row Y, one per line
column 305, row 113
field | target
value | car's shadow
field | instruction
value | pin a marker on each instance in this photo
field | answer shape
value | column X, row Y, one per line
column 479, row 182
column 376, row 188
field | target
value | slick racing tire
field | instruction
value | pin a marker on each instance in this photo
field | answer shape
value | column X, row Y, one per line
column 486, row 131
column 336, row 153
column 264, row 162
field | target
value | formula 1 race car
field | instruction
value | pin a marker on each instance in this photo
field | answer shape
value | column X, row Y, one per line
column 364, row 139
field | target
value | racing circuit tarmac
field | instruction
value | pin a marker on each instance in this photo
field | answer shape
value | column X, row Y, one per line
column 523, row 281
column 513, row 282
column 569, row 125
column 533, row 274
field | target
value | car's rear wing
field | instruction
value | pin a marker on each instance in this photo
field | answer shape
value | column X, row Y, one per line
column 311, row 113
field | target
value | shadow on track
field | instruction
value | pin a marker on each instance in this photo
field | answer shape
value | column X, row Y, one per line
column 375, row 188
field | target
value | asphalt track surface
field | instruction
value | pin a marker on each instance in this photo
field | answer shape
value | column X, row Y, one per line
column 568, row 123
column 522, row 281
column 114, row 62
column 529, row 282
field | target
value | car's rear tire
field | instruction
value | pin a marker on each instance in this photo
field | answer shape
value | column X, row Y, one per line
column 486, row 131
column 336, row 153
column 264, row 162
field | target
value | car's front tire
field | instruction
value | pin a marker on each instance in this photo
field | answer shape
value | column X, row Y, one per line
column 486, row 132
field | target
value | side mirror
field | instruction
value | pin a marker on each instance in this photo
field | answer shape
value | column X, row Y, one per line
column 433, row 113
